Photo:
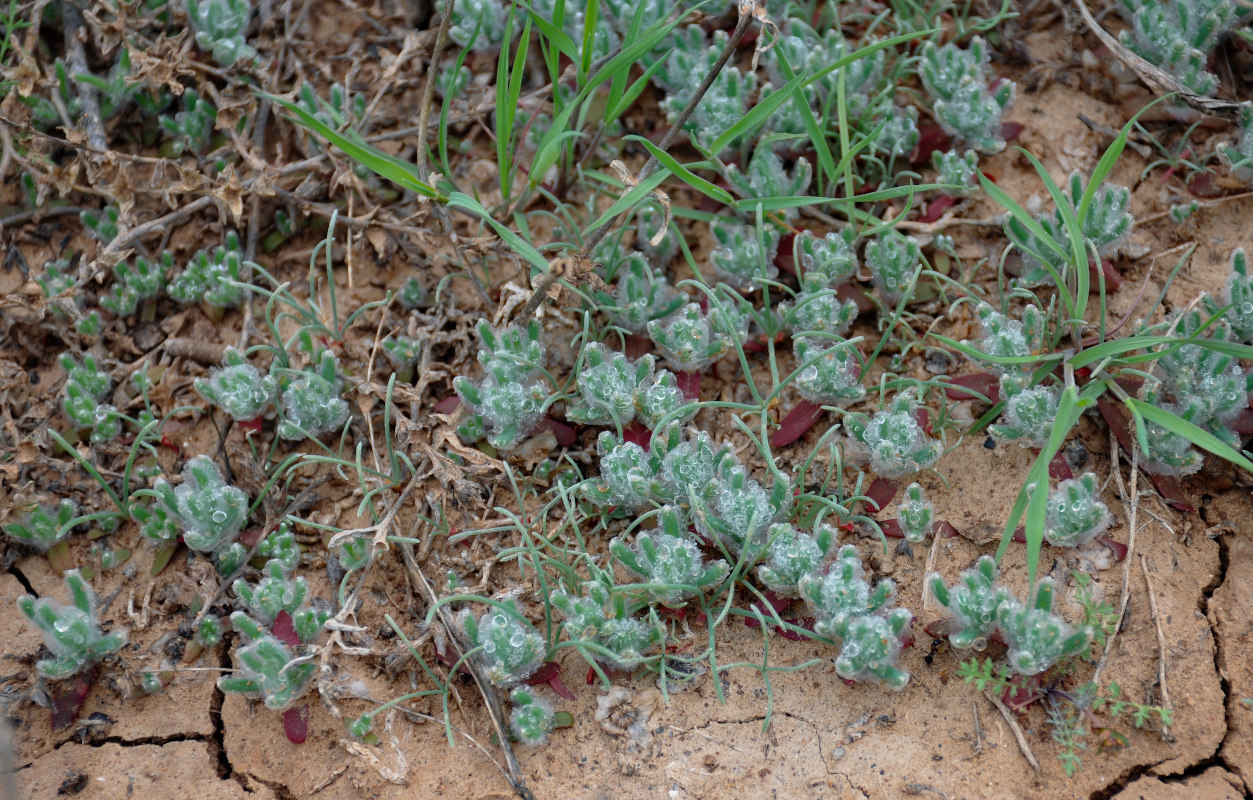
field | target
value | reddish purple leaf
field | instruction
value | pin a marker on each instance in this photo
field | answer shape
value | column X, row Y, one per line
column 803, row 416
column 252, row 425
column 937, row 629
column 1113, row 278
column 931, row 138
column 1204, row 185
column 881, row 492
column 637, row 346
column 936, row 208
column 284, row 629
column 892, row 528
column 566, row 437
column 983, row 383
column 637, row 434
column 1059, row 468
column 945, row 529
column 1120, row 549
column 923, row 418
column 67, row 702
column 1243, row 423
column 550, row 674
column 296, row 723
column 1017, row 699
column 447, row 405
column 1020, row 535
column 785, row 259
column 1011, row 130
column 857, row 294
column 689, row 384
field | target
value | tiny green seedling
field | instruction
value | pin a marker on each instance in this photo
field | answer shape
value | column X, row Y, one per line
column 71, row 632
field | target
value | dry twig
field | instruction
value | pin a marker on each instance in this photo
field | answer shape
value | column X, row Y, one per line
column 1161, row 646
column 1013, row 725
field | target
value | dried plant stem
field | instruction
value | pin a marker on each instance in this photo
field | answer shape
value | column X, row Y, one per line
column 1161, row 646
column 1131, row 500
column 1013, row 725
column 76, row 57
column 428, row 91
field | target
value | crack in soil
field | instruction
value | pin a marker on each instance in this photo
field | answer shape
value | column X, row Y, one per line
column 1134, row 773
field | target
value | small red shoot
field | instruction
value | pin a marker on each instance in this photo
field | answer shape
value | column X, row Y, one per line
column 566, row 436
column 550, row 674
column 67, row 702
column 447, row 405
column 881, row 492
column 979, row 383
column 936, row 208
column 689, row 384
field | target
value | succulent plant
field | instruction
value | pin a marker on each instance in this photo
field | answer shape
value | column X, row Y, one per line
column 191, row 129
column 210, row 511
column 311, row 401
column 963, row 103
column 601, row 618
column 640, row 296
column 86, row 387
column 412, row 294
column 1030, row 411
column 661, row 399
column 1075, row 514
column 209, row 631
column 744, row 259
column 690, row 339
column 896, row 442
column 1238, row 155
column 275, row 593
column 690, row 467
column 156, row 522
column 44, row 526
column 135, row 284
column 1004, row 337
column 509, row 648
column 825, row 261
column 238, row 388
column 973, row 603
column 103, row 226
column 265, row 670
column 843, row 594
column 741, row 510
column 1105, row 224
column 828, row 375
column 958, row 170
column 531, row 719
column 211, row 276
column 1037, row 638
column 609, row 383
column 221, row 26
column 514, row 353
column 871, row 647
column 818, row 311
column 628, row 475
column 724, row 103
column 1179, row 36
column 1238, row 294
column 508, row 409
column 893, row 261
column 71, row 632
column 669, row 561
column 766, row 177
column 791, row 555
column 915, row 514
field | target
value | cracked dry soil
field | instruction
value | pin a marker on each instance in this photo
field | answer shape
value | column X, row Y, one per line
column 938, row 738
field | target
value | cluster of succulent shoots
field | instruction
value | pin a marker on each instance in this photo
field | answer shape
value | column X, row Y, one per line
column 307, row 401
column 979, row 608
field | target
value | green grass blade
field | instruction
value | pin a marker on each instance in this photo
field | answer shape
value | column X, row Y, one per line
column 516, row 243
column 386, row 166
column 630, row 199
column 684, row 174
column 1198, row 436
